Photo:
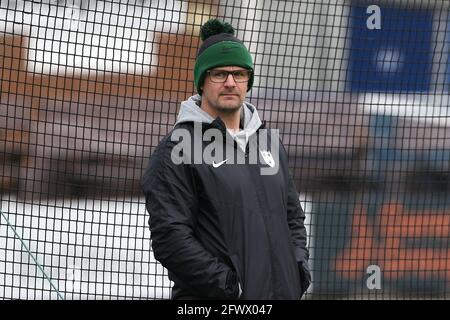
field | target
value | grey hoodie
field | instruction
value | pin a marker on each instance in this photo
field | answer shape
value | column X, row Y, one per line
column 190, row 111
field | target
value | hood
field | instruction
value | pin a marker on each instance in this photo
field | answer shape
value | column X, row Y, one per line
column 190, row 111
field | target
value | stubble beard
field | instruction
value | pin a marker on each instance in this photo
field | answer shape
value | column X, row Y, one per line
column 227, row 107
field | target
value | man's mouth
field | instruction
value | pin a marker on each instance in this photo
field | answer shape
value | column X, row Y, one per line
column 229, row 94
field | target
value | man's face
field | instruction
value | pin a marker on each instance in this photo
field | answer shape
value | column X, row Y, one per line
column 225, row 96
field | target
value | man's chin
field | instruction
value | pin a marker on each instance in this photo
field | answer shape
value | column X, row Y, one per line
column 229, row 108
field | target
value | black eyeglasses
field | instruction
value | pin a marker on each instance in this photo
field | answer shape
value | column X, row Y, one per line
column 220, row 76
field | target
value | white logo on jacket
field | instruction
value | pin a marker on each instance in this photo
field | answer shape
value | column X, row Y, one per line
column 218, row 164
column 268, row 158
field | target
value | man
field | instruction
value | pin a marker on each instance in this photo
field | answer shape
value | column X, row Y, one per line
column 225, row 229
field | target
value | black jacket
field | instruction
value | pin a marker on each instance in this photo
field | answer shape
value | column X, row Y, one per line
column 215, row 227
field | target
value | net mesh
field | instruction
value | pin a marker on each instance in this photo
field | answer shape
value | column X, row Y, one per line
column 358, row 90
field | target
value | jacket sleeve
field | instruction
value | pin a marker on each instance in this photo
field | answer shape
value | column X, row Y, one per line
column 296, row 218
column 171, row 202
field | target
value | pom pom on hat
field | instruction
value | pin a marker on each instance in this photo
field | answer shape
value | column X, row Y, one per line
column 213, row 27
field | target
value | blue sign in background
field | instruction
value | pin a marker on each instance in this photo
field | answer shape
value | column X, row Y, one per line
column 397, row 57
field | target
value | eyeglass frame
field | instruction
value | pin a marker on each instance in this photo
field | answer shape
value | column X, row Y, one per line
column 250, row 71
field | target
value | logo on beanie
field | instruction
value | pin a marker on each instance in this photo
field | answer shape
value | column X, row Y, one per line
column 228, row 48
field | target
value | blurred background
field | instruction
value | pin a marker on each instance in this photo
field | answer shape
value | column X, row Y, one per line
column 358, row 89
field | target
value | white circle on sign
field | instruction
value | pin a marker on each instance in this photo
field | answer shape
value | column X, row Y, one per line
column 389, row 60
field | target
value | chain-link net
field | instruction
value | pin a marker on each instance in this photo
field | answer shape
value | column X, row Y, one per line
column 358, row 89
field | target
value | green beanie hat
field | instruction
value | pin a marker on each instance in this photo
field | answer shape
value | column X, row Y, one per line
column 220, row 48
